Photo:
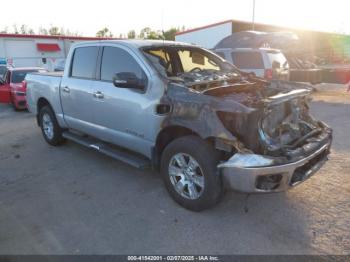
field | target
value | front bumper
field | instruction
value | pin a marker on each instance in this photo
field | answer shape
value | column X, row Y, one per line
column 276, row 178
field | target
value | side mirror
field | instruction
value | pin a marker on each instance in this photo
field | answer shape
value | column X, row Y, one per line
column 128, row 80
column 276, row 65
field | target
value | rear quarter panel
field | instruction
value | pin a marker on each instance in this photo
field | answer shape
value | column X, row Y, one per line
column 45, row 86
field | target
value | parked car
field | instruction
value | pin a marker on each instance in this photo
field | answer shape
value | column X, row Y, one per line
column 263, row 62
column 184, row 110
column 12, row 88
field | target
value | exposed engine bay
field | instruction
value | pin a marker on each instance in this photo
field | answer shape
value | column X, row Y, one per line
column 268, row 118
column 239, row 111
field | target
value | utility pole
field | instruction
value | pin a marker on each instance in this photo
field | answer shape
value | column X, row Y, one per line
column 253, row 20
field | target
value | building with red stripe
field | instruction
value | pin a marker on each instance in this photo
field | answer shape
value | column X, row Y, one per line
column 36, row 50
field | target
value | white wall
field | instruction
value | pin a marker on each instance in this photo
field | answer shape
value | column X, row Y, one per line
column 23, row 51
column 206, row 37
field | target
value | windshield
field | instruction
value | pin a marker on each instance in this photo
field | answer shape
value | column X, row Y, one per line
column 18, row 76
column 175, row 60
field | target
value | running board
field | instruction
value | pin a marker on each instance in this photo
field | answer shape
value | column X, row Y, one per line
column 112, row 151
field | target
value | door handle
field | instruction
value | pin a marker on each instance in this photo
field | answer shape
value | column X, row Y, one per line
column 66, row 89
column 98, row 95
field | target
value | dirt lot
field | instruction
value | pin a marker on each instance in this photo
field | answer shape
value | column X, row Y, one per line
column 71, row 200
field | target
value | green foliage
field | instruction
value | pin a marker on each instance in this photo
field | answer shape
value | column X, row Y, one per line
column 104, row 32
column 132, row 34
column 145, row 33
column 148, row 33
column 54, row 30
column 43, row 31
column 170, row 34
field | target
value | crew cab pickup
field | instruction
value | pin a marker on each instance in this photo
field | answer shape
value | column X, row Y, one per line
column 182, row 109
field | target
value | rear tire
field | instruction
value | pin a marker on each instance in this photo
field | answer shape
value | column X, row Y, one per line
column 50, row 129
column 195, row 184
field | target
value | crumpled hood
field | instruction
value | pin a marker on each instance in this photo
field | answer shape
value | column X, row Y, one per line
column 267, row 117
column 223, row 84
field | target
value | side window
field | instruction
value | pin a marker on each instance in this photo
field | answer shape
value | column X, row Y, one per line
column 116, row 60
column 248, row 60
column 84, row 62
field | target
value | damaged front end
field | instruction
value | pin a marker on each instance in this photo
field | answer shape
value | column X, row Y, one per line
column 268, row 139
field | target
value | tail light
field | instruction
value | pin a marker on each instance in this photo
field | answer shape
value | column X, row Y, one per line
column 24, row 85
column 268, row 73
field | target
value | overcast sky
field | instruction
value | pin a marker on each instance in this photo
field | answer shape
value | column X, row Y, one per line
column 87, row 17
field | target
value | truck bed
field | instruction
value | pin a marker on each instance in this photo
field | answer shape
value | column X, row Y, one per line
column 44, row 86
column 56, row 74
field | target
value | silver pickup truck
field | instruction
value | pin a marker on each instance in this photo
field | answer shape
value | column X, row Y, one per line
column 183, row 109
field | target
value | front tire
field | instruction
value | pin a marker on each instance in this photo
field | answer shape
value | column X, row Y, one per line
column 189, row 170
column 50, row 129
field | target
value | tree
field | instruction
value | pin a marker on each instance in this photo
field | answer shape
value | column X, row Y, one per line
column 132, row 34
column 15, row 29
column 25, row 30
column 155, row 35
column 67, row 32
column 104, row 32
column 43, row 31
column 170, row 34
column 54, row 30
column 145, row 32
column 148, row 33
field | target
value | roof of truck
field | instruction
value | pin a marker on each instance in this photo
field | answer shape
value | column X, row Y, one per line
column 137, row 43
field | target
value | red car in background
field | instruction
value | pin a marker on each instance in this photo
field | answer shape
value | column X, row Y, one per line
column 12, row 88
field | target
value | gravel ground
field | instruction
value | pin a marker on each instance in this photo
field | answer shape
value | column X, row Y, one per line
column 71, row 200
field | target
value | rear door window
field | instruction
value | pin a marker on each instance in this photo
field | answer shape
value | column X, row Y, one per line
column 84, row 62
column 248, row 60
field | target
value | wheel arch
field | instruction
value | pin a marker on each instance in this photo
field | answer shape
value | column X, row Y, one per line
column 166, row 136
column 42, row 101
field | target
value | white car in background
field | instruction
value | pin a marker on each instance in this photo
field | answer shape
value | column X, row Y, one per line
column 263, row 62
